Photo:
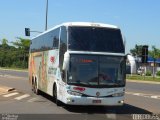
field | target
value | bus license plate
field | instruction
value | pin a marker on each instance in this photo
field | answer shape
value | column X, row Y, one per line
column 96, row 101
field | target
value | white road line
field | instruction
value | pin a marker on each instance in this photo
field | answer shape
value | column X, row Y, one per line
column 144, row 95
column 2, row 93
column 33, row 99
column 154, row 96
column 11, row 94
column 136, row 94
column 141, row 94
column 22, row 97
column 111, row 116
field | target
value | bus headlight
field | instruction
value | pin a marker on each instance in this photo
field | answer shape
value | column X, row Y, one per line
column 74, row 93
column 118, row 94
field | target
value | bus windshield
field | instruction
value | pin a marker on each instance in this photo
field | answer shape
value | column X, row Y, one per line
column 95, row 39
column 96, row 70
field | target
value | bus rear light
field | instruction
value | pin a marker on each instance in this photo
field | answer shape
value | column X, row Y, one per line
column 81, row 89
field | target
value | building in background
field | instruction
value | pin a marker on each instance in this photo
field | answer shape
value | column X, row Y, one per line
column 135, row 66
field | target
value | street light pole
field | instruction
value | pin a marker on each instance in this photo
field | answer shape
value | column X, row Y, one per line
column 46, row 15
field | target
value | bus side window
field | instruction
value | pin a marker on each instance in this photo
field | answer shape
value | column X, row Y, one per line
column 55, row 42
column 63, row 49
column 55, row 38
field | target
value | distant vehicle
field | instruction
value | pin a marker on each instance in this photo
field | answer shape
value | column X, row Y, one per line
column 140, row 71
column 79, row 64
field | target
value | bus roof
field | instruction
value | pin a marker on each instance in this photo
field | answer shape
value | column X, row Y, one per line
column 80, row 24
column 90, row 24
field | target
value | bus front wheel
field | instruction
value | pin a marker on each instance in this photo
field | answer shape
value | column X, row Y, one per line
column 58, row 103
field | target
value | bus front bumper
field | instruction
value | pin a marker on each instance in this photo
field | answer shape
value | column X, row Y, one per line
column 108, row 101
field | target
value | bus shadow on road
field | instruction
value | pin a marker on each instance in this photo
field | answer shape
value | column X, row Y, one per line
column 126, row 109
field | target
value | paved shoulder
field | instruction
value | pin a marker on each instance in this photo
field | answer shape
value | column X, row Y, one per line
column 21, row 96
column 5, row 89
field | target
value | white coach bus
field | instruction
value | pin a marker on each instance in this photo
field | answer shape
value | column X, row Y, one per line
column 79, row 63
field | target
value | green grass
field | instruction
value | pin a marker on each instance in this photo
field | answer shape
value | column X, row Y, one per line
column 142, row 78
column 12, row 68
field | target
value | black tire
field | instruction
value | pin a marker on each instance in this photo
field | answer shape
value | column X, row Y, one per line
column 36, row 90
column 32, row 86
column 58, row 103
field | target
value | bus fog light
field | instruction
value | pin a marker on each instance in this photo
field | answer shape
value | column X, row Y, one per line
column 69, row 99
column 122, row 101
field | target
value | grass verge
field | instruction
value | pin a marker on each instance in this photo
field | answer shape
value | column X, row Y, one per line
column 142, row 78
column 14, row 69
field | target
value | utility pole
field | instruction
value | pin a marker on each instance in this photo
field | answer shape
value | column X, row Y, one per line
column 46, row 15
column 154, row 63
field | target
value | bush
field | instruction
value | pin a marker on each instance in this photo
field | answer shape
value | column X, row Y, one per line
column 148, row 73
column 158, row 73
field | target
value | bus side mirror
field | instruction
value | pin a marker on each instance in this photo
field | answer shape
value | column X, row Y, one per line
column 125, row 57
column 27, row 31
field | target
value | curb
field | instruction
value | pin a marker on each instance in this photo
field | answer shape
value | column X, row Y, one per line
column 138, row 81
column 6, row 89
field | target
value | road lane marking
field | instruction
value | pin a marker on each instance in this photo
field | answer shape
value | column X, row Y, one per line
column 22, row 97
column 136, row 94
column 111, row 116
column 144, row 95
column 154, row 96
column 11, row 94
column 33, row 99
column 2, row 93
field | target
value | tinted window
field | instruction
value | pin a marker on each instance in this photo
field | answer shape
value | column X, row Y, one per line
column 46, row 41
column 99, row 71
column 83, row 70
column 111, row 70
column 63, row 45
column 95, row 39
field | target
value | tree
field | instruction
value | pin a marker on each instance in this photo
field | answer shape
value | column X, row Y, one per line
column 155, row 52
column 4, row 43
column 137, row 51
column 3, row 48
column 23, row 47
column 22, row 43
column 14, row 56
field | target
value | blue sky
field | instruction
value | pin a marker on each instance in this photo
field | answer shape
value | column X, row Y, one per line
column 139, row 20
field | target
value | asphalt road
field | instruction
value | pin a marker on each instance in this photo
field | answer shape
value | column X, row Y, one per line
column 141, row 98
column 14, row 73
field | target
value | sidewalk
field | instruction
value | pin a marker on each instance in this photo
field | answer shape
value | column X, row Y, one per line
column 140, row 81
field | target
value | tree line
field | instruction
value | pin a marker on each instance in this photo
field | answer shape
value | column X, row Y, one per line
column 153, row 52
column 14, row 54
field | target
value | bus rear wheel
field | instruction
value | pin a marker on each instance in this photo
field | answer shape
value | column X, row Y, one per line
column 35, row 88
